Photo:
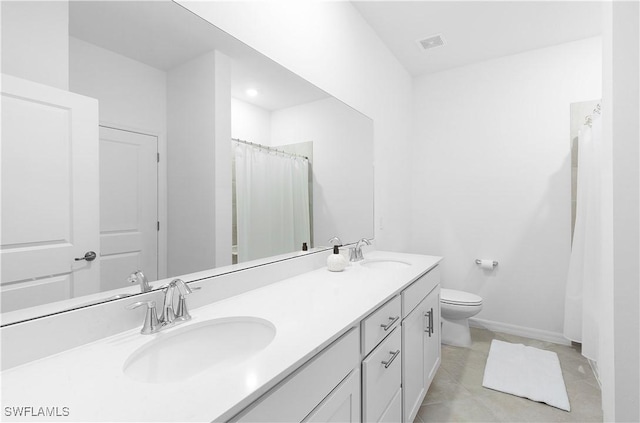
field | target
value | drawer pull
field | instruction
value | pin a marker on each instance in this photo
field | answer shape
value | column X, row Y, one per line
column 429, row 322
column 388, row 325
column 393, row 357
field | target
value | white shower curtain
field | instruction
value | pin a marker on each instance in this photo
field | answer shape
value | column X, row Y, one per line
column 583, row 290
column 272, row 202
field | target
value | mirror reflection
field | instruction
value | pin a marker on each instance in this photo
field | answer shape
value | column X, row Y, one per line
column 207, row 155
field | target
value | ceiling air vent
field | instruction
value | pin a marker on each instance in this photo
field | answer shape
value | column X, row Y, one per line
column 431, row 42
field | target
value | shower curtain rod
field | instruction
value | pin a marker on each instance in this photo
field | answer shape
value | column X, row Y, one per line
column 264, row 147
column 588, row 120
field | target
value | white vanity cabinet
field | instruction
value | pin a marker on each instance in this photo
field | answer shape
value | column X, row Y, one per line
column 420, row 341
column 323, row 389
column 342, row 405
column 395, row 392
column 377, row 372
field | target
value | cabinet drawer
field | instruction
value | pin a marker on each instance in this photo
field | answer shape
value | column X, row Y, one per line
column 412, row 296
column 295, row 397
column 379, row 324
column 381, row 381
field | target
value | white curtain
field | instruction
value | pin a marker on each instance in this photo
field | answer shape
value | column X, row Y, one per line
column 272, row 202
column 583, row 290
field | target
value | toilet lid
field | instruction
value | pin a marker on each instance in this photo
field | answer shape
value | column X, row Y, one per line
column 451, row 296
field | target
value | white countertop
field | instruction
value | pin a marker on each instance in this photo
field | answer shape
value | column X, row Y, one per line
column 309, row 311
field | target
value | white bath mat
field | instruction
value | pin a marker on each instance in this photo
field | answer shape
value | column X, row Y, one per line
column 526, row 372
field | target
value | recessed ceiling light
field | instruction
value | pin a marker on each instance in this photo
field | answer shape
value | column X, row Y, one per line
column 431, row 41
column 251, row 92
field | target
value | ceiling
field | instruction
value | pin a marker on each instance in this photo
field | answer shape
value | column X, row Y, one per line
column 164, row 35
column 475, row 31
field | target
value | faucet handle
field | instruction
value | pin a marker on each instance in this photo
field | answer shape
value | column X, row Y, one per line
column 151, row 323
column 183, row 287
column 182, row 312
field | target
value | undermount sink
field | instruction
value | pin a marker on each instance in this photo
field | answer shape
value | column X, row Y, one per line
column 387, row 264
column 182, row 353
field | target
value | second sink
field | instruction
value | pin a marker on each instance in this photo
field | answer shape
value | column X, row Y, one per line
column 388, row 264
column 177, row 355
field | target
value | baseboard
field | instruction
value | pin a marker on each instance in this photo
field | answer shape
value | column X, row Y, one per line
column 596, row 372
column 541, row 335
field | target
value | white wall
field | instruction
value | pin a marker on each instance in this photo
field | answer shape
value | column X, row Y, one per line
column 130, row 93
column 191, row 165
column 35, row 41
column 491, row 175
column 342, row 171
column 341, row 54
column 131, row 96
column 250, row 123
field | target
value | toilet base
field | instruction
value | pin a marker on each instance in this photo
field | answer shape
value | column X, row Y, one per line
column 456, row 332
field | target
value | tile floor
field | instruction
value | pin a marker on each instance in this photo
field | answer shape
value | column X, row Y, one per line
column 457, row 395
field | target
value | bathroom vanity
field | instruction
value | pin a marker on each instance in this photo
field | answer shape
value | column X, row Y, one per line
column 358, row 345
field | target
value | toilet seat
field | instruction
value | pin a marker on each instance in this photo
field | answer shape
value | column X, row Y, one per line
column 459, row 298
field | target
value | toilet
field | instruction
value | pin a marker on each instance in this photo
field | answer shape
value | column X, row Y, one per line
column 455, row 309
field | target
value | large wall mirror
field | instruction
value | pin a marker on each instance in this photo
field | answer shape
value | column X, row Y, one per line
column 212, row 158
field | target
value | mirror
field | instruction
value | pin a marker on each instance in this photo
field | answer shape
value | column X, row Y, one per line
column 173, row 91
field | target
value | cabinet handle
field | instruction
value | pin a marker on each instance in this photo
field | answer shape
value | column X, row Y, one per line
column 388, row 325
column 430, row 322
column 427, row 315
column 393, row 357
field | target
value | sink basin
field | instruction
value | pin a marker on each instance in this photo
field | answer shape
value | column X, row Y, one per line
column 387, row 264
column 179, row 354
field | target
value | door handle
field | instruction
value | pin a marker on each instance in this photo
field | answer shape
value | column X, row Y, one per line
column 88, row 256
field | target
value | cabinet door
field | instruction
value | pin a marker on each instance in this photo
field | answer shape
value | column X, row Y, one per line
column 432, row 338
column 393, row 413
column 342, row 405
column 381, row 377
column 414, row 388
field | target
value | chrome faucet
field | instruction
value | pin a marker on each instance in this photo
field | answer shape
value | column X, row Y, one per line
column 179, row 313
column 139, row 277
column 355, row 253
column 336, row 240
column 170, row 315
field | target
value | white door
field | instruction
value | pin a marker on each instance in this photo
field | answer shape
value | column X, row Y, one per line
column 50, row 198
column 128, row 206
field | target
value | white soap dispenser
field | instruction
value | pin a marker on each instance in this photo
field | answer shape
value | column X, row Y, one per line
column 336, row 261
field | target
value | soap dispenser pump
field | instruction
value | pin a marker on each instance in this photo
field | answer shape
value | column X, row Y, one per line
column 336, row 261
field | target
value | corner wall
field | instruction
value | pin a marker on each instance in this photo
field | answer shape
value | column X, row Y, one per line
column 342, row 55
column 491, row 174
column 191, row 132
